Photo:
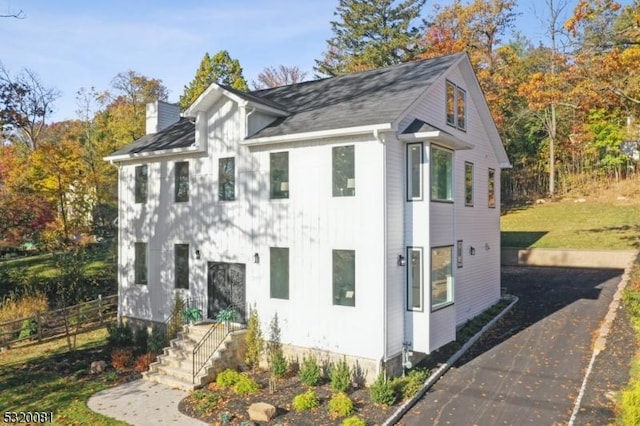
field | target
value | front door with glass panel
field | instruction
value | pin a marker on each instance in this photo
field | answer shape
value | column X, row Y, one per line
column 226, row 289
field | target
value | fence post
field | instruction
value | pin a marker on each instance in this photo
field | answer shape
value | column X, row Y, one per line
column 100, row 308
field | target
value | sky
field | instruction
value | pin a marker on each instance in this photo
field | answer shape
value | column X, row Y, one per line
column 72, row 44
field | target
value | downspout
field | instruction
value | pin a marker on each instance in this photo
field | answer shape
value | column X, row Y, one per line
column 119, row 219
column 379, row 138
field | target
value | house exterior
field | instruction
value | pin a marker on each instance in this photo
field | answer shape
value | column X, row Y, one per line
column 362, row 209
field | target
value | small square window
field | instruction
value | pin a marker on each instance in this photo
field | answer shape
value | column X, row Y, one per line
column 181, row 258
column 441, row 174
column 468, row 184
column 414, row 170
column 344, row 177
column 182, row 182
column 279, row 265
column 141, row 184
column 441, row 277
column 227, row 179
column 279, row 174
column 344, row 277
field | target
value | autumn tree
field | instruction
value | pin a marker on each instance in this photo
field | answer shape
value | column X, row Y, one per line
column 371, row 34
column 25, row 106
column 219, row 68
column 281, row 76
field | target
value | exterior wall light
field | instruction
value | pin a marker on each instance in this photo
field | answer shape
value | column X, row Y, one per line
column 472, row 251
column 401, row 260
column 198, row 254
column 256, row 258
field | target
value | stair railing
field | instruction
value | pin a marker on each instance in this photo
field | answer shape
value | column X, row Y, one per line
column 209, row 344
column 176, row 320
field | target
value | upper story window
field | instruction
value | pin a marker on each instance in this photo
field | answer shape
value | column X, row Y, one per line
column 414, row 171
column 182, row 181
column 279, row 174
column 141, row 184
column 456, row 106
column 468, row 184
column 227, row 179
column 344, row 171
column 441, row 174
column 492, row 188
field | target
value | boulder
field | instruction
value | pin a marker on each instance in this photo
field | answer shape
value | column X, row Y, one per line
column 261, row 412
column 98, row 367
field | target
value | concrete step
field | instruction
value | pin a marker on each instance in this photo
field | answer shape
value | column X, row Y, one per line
column 170, row 381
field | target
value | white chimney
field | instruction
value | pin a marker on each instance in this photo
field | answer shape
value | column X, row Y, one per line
column 161, row 115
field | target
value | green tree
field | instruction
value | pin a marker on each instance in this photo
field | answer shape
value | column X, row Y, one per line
column 219, row 68
column 371, row 34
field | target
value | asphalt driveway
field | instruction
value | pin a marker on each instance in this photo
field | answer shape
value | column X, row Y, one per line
column 530, row 368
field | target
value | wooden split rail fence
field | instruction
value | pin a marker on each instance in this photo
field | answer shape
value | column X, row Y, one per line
column 60, row 322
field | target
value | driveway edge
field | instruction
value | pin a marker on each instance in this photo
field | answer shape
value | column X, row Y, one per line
column 401, row 411
column 601, row 341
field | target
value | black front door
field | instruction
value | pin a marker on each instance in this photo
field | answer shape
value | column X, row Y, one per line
column 226, row 289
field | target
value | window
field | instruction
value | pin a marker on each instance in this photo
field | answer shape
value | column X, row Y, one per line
column 441, row 277
column 227, row 179
column 182, row 182
column 181, row 254
column 344, row 277
column 141, row 182
column 459, row 253
column 456, row 106
column 414, row 279
column 492, row 188
column 140, row 263
column 279, row 174
column 414, row 170
column 468, row 184
column 441, row 174
column 344, row 177
column 279, row 260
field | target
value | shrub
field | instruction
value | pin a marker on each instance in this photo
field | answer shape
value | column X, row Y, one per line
column 382, row 392
column 305, row 401
column 120, row 335
column 629, row 405
column 254, row 340
column 14, row 307
column 144, row 361
column 157, row 340
column 340, row 376
column 141, row 340
column 277, row 362
column 310, row 371
column 121, row 358
column 176, row 322
column 340, row 405
column 28, row 328
column 409, row 385
column 245, row 385
column 205, row 402
column 227, row 378
column 354, row 421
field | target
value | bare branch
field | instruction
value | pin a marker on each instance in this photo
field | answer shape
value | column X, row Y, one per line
column 18, row 15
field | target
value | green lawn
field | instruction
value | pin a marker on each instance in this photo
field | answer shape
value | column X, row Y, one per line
column 573, row 226
column 47, row 378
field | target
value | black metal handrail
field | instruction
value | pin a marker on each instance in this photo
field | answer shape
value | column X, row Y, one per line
column 193, row 302
column 207, row 346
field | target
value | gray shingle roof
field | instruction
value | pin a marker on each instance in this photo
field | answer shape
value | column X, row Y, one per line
column 181, row 134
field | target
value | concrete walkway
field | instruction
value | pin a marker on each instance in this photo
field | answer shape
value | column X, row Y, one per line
column 142, row 403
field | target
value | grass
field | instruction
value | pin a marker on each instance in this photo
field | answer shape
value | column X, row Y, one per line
column 628, row 404
column 570, row 225
column 47, row 378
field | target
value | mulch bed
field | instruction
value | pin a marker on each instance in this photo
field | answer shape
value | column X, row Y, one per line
column 287, row 389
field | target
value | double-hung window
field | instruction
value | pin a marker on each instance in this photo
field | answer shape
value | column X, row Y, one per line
column 279, row 265
column 492, row 188
column 181, row 259
column 468, row 184
column 227, row 179
column 456, row 106
column 441, row 174
column 344, row 277
column 141, row 184
column 344, row 175
column 182, row 181
column 279, row 174
column 441, row 276
column 140, row 263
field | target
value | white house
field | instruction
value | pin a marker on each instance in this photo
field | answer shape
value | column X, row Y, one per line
column 362, row 209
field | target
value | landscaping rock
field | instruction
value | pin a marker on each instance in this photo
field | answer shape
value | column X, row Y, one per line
column 98, row 367
column 261, row 412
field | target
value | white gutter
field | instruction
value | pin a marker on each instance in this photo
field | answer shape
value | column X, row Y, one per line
column 155, row 154
column 320, row 134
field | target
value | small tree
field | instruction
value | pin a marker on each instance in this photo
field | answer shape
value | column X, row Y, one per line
column 275, row 357
column 254, row 340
